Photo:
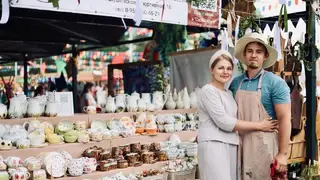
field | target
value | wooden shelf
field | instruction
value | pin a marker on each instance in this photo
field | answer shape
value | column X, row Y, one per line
column 76, row 149
column 90, row 117
column 52, row 120
column 296, row 160
column 129, row 170
column 110, row 116
column 184, row 136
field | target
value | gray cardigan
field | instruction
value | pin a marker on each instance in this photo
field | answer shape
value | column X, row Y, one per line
column 217, row 115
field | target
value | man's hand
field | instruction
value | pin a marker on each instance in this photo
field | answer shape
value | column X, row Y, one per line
column 281, row 160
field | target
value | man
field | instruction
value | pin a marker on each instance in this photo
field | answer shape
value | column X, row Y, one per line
column 259, row 95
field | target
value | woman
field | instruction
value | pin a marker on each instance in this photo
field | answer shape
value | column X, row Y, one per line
column 88, row 96
column 217, row 136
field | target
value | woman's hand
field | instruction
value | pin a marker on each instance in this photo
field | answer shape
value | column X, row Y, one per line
column 268, row 125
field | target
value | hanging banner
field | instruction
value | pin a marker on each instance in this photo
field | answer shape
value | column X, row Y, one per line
column 206, row 14
column 272, row 8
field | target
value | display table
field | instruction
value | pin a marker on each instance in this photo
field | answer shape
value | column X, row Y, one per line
column 76, row 149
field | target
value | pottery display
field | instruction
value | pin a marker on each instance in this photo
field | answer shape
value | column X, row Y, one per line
column 3, row 111
column 13, row 161
column 170, row 104
column 135, row 94
column 51, row 109
column 14, row 133
column 23, row 143
column 110, row 105
column 35, row 107
column 5, row 144
column 193, row 99
column 186, row 99
column 32, row 163
column 18, row 107
column 159, row 99
column 132, row 103
column 39, row 174
column 146, row 97
column 90, row 109
column 142, row 105
column 3, row 130
column 180, row 103
column 31, row 125
column 76, row 167
column 121, row 100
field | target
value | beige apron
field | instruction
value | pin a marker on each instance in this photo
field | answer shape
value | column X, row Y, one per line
column 257, row 149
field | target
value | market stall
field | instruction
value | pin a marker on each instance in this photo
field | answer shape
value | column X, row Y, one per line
column 44, row 135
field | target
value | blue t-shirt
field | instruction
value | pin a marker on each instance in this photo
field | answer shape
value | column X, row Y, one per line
column 274, row 90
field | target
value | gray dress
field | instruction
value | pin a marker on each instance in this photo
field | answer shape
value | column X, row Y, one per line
column 217, row 150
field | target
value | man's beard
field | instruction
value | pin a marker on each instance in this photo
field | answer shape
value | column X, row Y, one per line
column 253, row 65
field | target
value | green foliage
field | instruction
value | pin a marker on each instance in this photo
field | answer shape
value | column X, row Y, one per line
column 247, row 22
column 167, row 36
column 55, row 3
column 309, row 171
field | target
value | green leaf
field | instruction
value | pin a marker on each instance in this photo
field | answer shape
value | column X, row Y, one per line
column 285, row 19
column 55, row 3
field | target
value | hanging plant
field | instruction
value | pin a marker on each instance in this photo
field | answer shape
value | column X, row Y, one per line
column 167, row 36
column 301, row 51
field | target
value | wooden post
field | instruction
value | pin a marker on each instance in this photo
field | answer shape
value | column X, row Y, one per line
column 311, row 141
column 25, row 74
column 74, row 79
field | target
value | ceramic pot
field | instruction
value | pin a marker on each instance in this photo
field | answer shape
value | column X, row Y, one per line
column 170, row 104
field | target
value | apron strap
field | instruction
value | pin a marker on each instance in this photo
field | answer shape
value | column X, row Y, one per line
column 240, row 85
column 260, row 84
column 260, row 80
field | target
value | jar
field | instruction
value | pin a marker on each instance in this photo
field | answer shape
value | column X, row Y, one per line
column 91, row 153
column 105, row 155
column 161, row 156
column 155, row 147
column 132, row 158
column 125, row 149
column 145, row 147
column 136, row 147
column 116, row 151
column 122, row 164
column 113, row 164
column 104, row 166
column 147, row 157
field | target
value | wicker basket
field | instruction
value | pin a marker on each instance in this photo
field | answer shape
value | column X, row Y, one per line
column 163, row 176
column 183, row 175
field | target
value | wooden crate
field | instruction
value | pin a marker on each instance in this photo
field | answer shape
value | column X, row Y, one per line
column 297, row 147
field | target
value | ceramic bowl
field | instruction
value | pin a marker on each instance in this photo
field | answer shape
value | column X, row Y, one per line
column 140, row 130
column 151, row 130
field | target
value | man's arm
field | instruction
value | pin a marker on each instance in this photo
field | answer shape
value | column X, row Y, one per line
column 283, row 112
column 282, row 106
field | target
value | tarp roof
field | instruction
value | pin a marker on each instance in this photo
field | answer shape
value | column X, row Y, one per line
column 40, row 33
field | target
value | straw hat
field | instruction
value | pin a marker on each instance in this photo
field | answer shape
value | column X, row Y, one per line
column 217, row 54
column 255, row 37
